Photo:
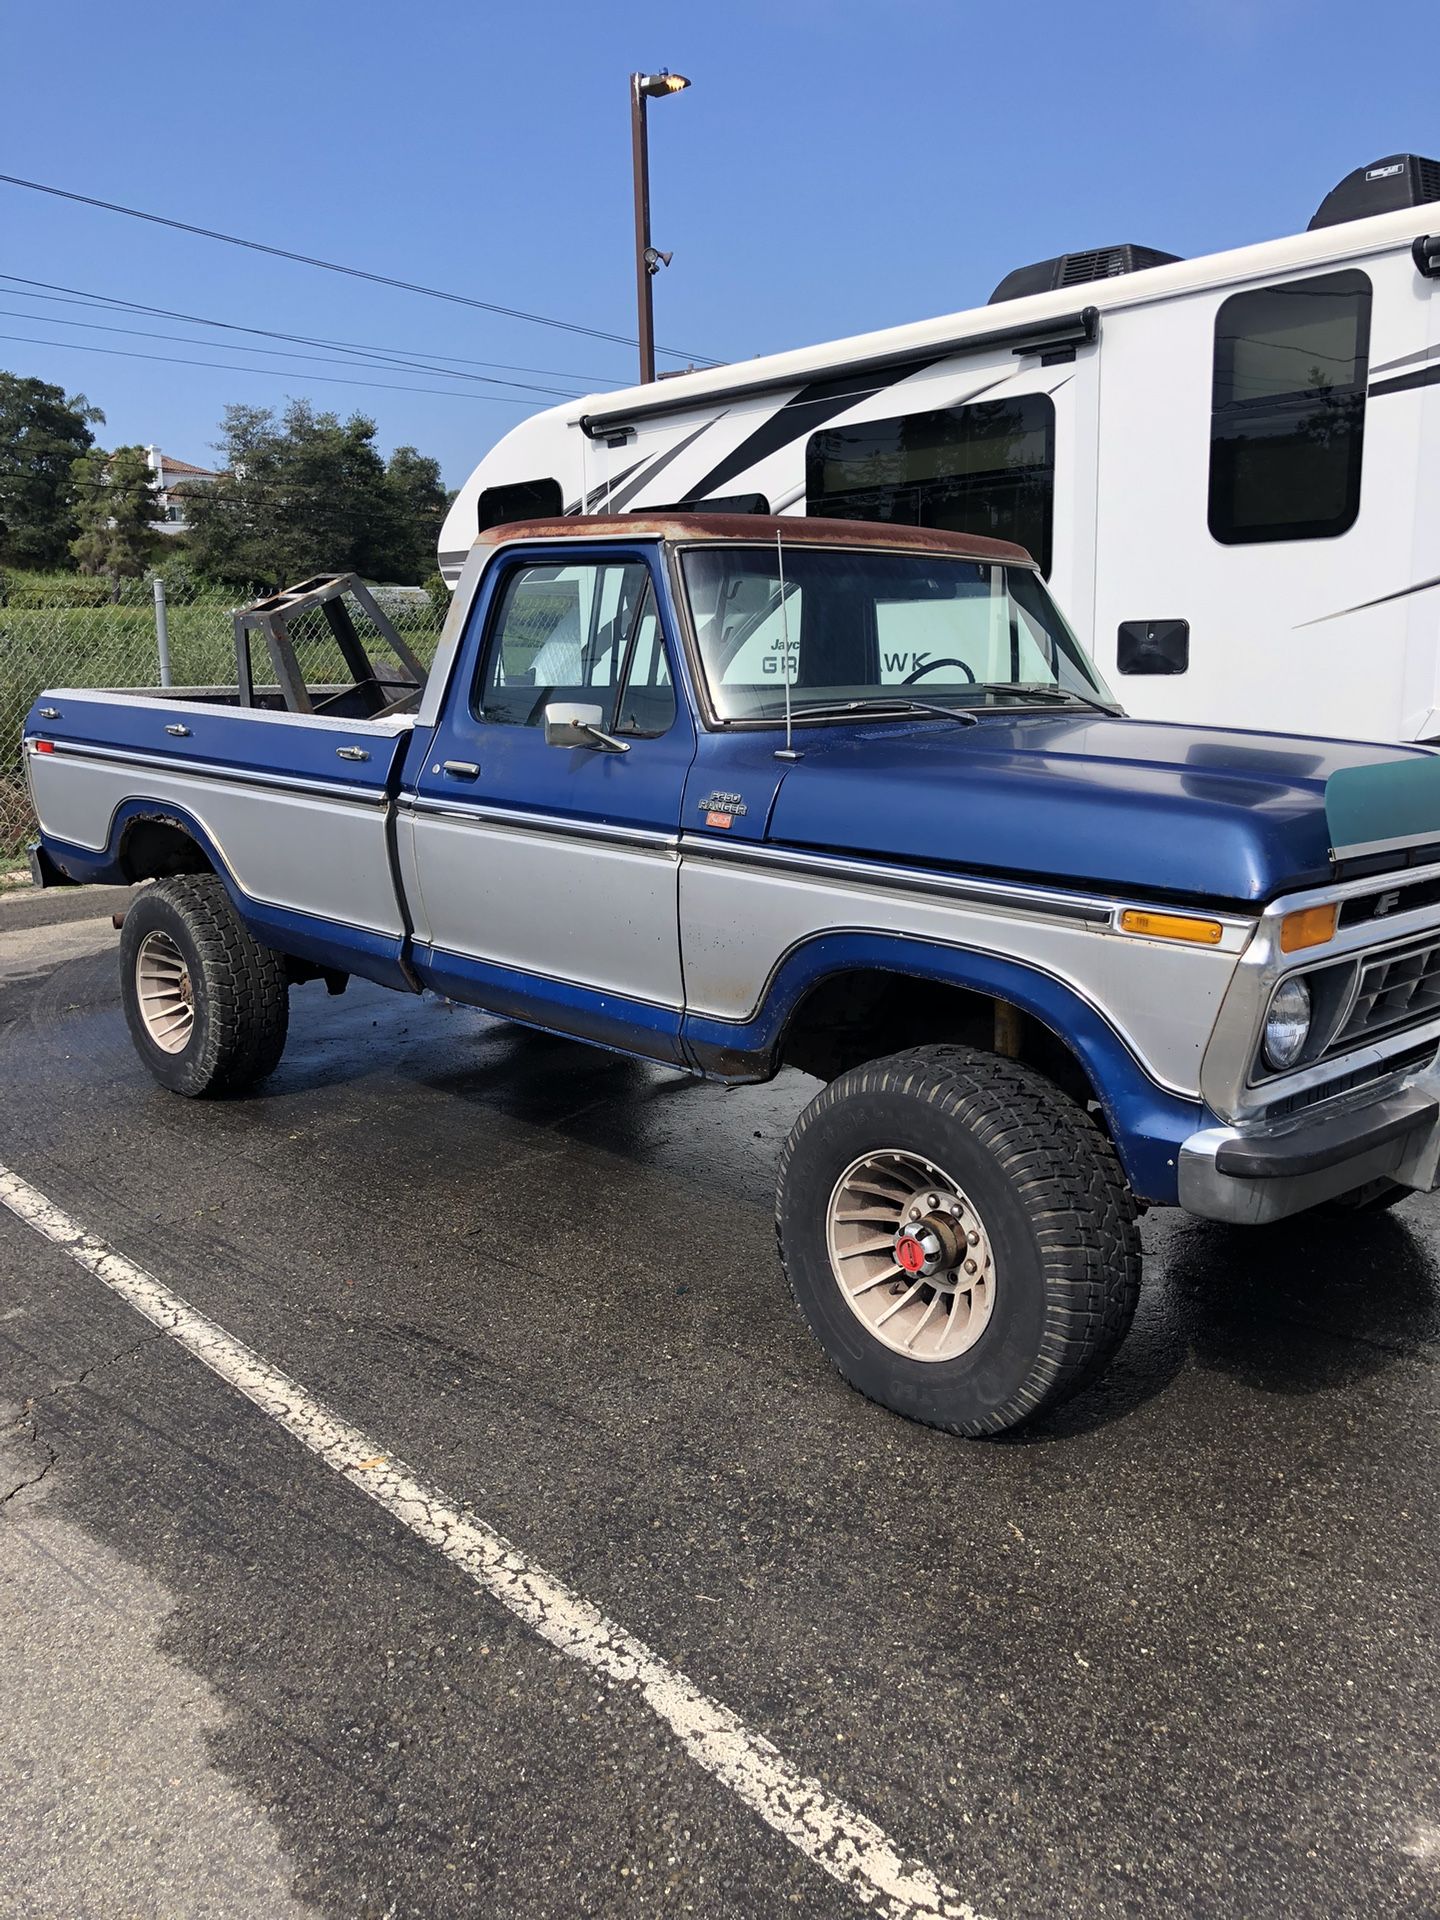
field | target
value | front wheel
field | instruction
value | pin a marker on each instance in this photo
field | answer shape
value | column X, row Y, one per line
column 206, row 1004
column 959, row 1238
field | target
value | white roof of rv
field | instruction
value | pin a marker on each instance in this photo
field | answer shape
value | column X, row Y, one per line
column 1349, row 240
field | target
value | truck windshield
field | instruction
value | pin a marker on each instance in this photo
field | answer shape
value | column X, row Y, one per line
column 862, row 627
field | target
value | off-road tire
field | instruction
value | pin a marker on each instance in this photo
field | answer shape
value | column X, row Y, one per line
column 239, row 991
column 1053, row 1199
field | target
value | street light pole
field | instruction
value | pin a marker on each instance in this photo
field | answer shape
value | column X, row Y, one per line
column 645, row 87
column 640, row 165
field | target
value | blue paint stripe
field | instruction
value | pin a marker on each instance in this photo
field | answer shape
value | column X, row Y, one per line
column 611, row 1020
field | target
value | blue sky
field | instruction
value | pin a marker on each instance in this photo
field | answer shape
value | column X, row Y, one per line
column 837, row 165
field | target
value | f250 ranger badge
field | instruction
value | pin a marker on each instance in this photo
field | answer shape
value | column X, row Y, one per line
column 721, row 808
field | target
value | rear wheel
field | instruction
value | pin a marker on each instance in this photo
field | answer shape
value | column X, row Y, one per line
column 206, row 1004
column 959, row 1237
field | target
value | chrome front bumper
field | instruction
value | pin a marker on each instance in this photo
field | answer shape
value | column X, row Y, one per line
column 1252, row 1174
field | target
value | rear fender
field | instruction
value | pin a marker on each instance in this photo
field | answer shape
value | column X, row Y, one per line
column 327, row 944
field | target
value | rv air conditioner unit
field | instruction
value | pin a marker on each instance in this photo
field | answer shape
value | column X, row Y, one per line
column 1073, row 269
column 1401, row 180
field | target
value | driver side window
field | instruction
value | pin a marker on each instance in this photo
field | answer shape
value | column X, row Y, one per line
column 574, row 633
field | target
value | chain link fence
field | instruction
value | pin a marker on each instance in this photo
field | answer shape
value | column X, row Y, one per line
column 62, row 630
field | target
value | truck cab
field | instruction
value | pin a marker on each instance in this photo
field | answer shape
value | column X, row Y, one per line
column 734, row 794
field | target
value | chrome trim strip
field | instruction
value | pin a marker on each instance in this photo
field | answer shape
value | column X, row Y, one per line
column 1057, row 905
column 1357, row 849
column 639, row 839
column 165, row 763
column 1343, row 890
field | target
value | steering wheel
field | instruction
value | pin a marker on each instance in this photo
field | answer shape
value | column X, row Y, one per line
column 932, row 666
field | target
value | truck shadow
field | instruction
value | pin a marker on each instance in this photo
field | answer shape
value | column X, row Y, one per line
column 1304, row 1307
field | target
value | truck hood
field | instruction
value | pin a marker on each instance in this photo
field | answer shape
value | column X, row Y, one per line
column 1082, row 799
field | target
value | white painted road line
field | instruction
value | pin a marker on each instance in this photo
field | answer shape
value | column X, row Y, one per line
column 850, row 1848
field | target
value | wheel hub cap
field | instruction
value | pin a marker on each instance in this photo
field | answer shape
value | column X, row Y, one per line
column 910, row 1255
column 925, row 1248
column 165, row 993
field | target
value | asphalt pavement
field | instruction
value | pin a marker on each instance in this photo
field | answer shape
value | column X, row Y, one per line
column 1171, row 1653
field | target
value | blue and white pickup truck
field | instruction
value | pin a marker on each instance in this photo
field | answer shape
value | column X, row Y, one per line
column 733, row 793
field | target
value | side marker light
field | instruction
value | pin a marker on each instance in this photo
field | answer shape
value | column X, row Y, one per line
column 1172, row 926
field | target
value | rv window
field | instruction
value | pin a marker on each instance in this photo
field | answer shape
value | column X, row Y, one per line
column 524, row 500
column 987, row 468
column 1288, row 409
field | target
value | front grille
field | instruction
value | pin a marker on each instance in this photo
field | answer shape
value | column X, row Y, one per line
column 1397, row 989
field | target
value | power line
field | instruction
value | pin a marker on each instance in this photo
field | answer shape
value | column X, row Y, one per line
column 55, row 294
column 354, row 273
column 326, row 360
column 280, row 373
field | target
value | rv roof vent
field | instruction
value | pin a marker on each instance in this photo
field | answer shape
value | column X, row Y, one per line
column 1400, row 180
column 1072, row 269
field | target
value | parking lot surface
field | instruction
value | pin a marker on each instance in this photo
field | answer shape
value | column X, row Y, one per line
column 1171, row 1653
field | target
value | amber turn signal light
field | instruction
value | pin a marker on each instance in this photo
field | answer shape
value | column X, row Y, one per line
column 1309, row 927
column 1172, row 926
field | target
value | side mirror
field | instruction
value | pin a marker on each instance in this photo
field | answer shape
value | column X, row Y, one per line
column 570, row 725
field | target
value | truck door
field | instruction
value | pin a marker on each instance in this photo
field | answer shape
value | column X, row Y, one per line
column 548, row 876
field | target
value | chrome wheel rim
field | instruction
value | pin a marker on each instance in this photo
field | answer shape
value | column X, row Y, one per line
column 910, row 1255
column 162, row 986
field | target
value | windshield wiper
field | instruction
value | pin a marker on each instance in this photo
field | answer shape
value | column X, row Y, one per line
column 880, row 709
column 1028, row 689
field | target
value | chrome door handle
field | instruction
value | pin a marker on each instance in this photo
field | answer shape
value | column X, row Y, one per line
column 180, row 733
column 462, row 769
column 351, row 753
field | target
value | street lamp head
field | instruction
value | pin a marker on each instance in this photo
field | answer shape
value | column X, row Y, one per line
column 655, row 86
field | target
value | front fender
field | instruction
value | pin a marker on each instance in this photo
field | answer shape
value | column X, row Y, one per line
column 1146, row 1121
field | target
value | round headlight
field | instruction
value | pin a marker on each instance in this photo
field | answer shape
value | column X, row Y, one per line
column 1287, row 1024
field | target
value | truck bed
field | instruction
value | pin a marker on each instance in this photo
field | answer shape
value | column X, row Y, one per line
column 295, row 808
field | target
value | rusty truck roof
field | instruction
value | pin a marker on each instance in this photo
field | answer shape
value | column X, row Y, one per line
column 758, row 528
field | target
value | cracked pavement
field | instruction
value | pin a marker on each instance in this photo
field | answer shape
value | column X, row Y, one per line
column 1173, row 1654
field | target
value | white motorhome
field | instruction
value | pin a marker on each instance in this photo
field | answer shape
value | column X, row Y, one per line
column 1228, row 467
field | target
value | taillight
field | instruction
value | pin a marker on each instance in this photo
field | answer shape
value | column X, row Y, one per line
column 42, row 746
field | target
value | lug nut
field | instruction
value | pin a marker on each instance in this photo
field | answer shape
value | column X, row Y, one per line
column 932, row 1200
column 973, row 1238
column 970, row 1267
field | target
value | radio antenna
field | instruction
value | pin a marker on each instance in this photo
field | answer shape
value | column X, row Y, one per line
column 785, row 640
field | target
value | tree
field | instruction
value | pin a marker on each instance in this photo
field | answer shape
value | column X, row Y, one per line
column 310, row 493
column 420, row 500
column 115, row 508
column 42, row 433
